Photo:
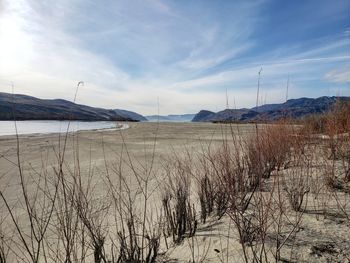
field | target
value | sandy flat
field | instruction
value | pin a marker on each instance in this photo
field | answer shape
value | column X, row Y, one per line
column 140, row 143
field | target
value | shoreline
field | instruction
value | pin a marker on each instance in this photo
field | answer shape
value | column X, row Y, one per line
column 118, row 126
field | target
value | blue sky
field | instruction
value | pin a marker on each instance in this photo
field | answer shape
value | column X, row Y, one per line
column 186, row 53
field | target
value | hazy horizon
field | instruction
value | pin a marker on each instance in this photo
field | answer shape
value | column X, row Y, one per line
column 185, row 54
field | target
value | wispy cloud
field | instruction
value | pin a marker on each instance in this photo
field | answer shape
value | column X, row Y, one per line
column 339, row 75
column 187, row 54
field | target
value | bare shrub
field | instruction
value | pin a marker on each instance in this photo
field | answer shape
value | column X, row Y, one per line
column 344, row 155
column 338, row 130
column 252, row 210
column 37, row 197
column 336, row 189
column 296, row 185
column 212, row 191
column 230, row 165
column 269, row 150
column 136, row 237
column 67, row 221
column 221, row 200
column 245, row 221
column 92, row 212
column 341, row 115
column 314, row 124
column 330, row 178
column 206, row 197
column 180, row 213
column 283, row 223
column 206, row 187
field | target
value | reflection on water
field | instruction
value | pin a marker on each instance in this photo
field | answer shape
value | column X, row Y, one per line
column 29, row 127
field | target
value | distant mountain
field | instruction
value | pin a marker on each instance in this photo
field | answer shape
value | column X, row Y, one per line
column 225, row 115
column 294, row 108
column 319, row 104
column 30, row 108
column 130, row 115
column 203, row 115
column 171, row 118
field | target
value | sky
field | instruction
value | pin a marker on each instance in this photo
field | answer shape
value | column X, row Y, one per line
column 183, row 55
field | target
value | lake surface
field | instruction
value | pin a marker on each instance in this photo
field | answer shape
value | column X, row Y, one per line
column 29, row 127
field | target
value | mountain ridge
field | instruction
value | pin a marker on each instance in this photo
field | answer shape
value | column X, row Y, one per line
column 25, row 107
column 293, row 108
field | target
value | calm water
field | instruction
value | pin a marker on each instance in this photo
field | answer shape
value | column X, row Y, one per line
column 29, row 127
